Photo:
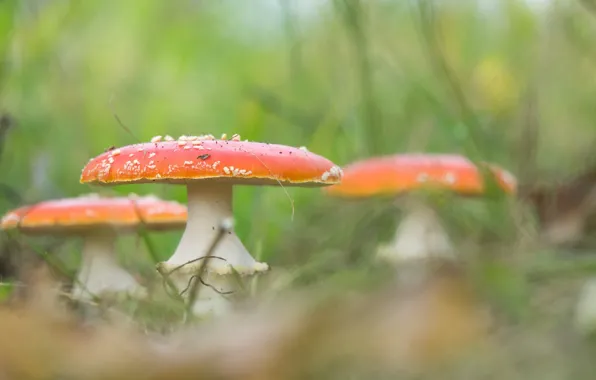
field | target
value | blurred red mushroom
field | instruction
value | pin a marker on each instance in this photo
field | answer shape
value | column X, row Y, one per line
column 420, row 234
column 98, row 220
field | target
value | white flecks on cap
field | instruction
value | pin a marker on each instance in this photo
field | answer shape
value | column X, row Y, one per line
column 334, row 172
column 12, row 217
column 422, row 177
column 450, row 178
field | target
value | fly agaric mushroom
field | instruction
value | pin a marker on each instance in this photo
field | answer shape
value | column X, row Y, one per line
column 420, row 234
column 98, row 220
column 210, row 168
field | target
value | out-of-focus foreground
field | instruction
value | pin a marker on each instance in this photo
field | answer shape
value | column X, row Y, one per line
column 508, row 82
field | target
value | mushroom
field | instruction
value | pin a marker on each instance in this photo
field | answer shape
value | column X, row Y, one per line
column 420, row 234
column 98, row 220
column 209, row 168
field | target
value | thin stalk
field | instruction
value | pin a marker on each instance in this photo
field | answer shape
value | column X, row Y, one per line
column 355, row 26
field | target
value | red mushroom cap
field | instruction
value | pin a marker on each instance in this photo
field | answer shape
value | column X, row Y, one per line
column 199, row 158
column 92, row 212
column 405, row 172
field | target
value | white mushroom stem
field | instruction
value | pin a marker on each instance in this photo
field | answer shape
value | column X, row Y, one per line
column 585, row 309
column 99, row 271
column 209, row 204
column 419, row 237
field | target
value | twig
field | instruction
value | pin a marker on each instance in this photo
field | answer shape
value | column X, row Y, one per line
column 120, row 121
column 197, row 278
column 224, row 227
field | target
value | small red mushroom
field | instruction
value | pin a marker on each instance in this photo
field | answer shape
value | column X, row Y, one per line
column 98, row 220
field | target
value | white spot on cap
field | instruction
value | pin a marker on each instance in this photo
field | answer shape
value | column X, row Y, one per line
column 155, row 139
column 12, row 217
column 422, row 177
column 226, row 170
column 303, row 148
column 168, row 138
column 450, row 178
column 334, row 171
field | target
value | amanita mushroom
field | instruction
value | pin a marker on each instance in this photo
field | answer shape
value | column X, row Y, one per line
column 98, row 220
column 209, row 168
column 420, row 234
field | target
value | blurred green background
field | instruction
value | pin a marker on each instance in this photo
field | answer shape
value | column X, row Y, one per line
column 508, row 81
column 347, row 79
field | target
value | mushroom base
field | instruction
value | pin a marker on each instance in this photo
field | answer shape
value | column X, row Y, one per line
column 100, row 272
column 209, row 204
column 419, row 236
column 585, row 309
